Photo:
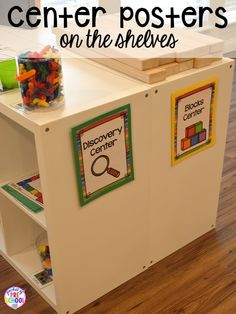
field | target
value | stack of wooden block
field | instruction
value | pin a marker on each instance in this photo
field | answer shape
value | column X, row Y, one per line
column 161, row 69
column 193, row 50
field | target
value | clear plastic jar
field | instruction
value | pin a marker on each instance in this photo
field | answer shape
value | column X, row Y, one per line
column 44, row 252
column 40, row 78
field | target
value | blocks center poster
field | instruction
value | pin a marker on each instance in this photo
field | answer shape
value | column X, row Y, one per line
column 193, row 119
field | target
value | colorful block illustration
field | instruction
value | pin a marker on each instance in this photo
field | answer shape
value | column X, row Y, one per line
column 185, row 143
column 190, row 131
column 195, row 134
column 194, row 140
column 40, row 199
column 199, row 127
column 202, row 136
column 25, row 185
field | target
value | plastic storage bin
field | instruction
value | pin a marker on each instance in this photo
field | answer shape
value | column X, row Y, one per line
column 40, row 77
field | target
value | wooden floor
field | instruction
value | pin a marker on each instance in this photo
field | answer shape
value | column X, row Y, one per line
column 199, row 279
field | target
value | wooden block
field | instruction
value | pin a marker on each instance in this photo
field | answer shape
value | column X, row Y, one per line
column 149, row 76
column 139, row 64
column 172, row 68
column 204, row 61
column 155, row 75
column 186, row 65
column 184, row 53
column 218, row 55
column 175, row 67
column 189, row 46
column 149, row 62
column 164, row 61
column 215, row 44
column 181, row 60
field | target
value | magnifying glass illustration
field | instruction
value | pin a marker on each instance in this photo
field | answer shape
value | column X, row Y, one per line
column 101, row 165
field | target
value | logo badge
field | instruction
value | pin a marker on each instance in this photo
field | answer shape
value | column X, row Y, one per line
column 15, row 297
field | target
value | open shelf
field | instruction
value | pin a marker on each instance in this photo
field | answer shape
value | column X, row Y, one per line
column 27, row 263
column 39, row 218
column 18, row 160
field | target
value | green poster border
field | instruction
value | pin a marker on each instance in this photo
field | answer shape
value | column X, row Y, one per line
column 112, row 186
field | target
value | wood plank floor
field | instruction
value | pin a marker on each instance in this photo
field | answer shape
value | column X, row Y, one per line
column 198, row 279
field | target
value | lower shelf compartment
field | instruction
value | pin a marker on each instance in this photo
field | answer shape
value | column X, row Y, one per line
column 27, row 263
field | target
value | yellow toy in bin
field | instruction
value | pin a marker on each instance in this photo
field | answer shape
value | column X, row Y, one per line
column 8, row 74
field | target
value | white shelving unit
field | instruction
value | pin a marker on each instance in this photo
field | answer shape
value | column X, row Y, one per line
column 22, row 139
column 97, row 247
column 19, row 230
